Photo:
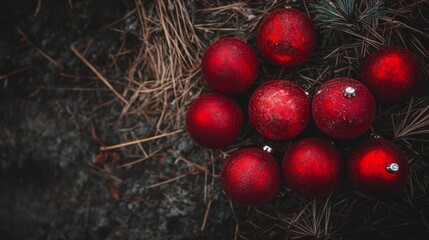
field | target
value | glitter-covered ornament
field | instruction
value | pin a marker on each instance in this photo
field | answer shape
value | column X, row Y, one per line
column 286, row 37
column 312, row 167
column 229, row 65
column 377, row 168
column 343, row 108
column 214, row 120
column 279, row 109
column 251, row 177
column 393, row 74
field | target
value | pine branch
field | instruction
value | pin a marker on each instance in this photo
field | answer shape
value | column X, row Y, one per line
column 340, row 20
column 371, row 11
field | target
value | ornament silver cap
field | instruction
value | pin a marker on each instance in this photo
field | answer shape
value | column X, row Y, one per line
column 267, row 148
column 392, row 167
column 349, row 92
column 375, row 136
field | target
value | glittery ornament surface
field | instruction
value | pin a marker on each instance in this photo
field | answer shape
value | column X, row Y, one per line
column 229, row 65
column 340, row 115
column 286, row 37
column 279, row 109
column 214, row 120
column 250, row 177
column 312, row 167
column 368, row 168
column 393, row 74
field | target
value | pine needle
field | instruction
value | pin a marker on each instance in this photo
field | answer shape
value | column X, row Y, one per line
column 413, row 123
column 339, row 20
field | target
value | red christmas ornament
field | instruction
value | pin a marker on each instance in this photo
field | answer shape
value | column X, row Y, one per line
column 343, row 108
column 279, row 109
column 377, row 168
column 229, row 66
column 312, row 167
column 286, row 37
column 250, row 177
column 393, row 74
column 214, row 120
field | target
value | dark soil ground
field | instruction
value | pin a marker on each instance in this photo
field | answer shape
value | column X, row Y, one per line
column 55, row 114
column 49, row 187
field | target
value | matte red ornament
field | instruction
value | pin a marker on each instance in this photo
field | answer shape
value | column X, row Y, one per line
column 230, row 66
column 250, row 177
column 312, row 167
column 279, row 109
column 214, row 120
column 343, row 108
column 393, row 74
column 286, row 37
column 377, row 168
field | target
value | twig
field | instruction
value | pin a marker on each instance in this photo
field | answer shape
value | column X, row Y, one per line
column 196, row 166
column 140, row 141
column 93, row 69
column 41, row 52
column 67, row 75
column 88, row 208
column 19, row 70
column 38, row 8
column 112, row 189
column 236, row 232
column 224, row 7
column 209, row 204
column 170, row 180
column 140, row 160
column 119, row 20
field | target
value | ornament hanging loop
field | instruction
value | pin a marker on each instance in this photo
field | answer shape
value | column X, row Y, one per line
column 349, row 92
column 392, row 167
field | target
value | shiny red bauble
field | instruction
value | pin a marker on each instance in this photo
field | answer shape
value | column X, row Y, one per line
column 230, row 66
column 279, row 109
column 343, row 108
column 377, row 168
column 312, row 167
column 250, row 177
column 214, row 120
column 286, row 37
column 393, row 74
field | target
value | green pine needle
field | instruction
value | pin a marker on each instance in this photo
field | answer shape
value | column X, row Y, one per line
column 339, row 20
